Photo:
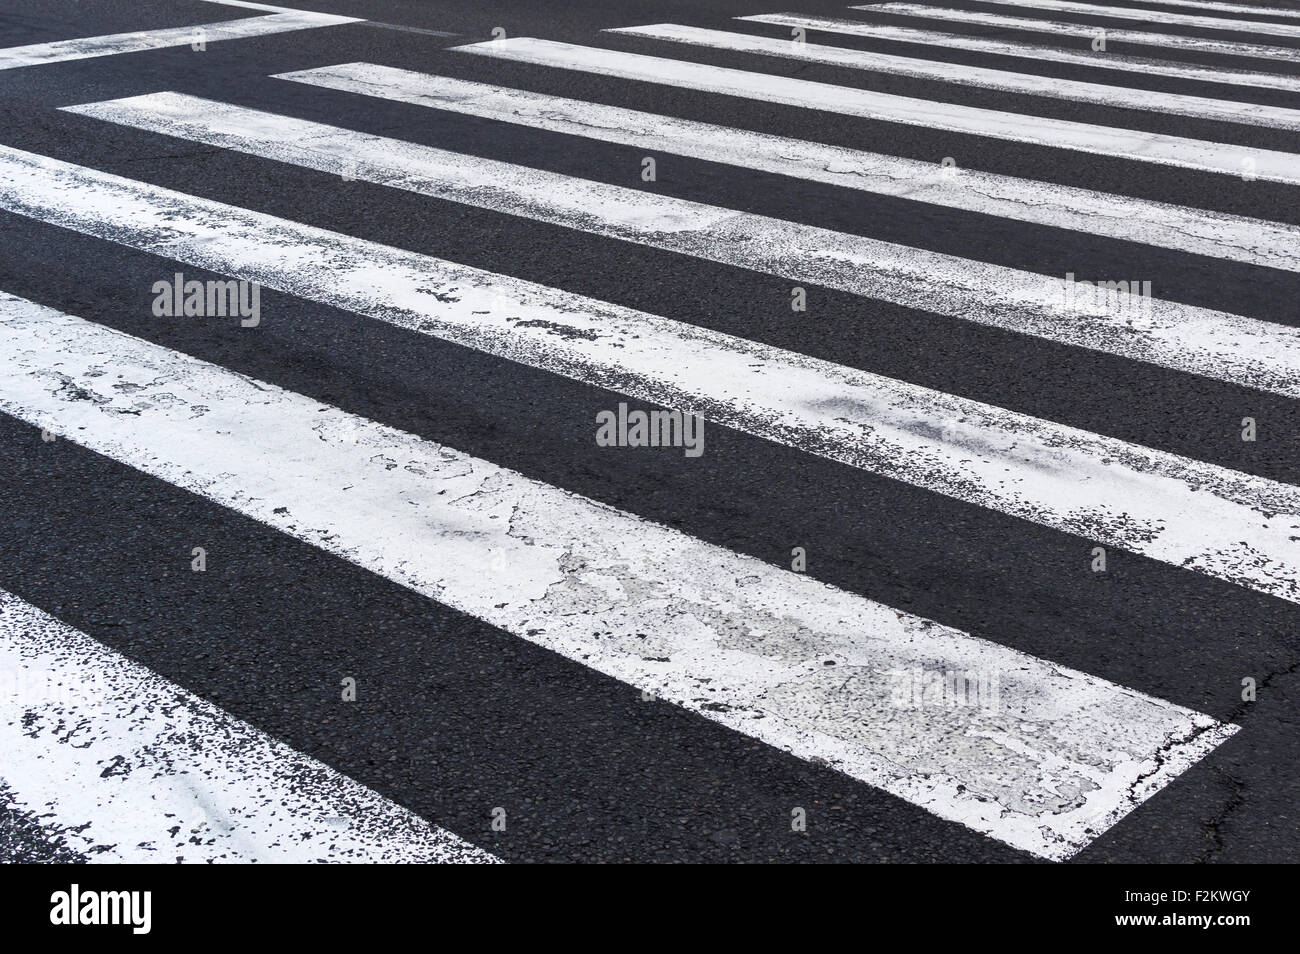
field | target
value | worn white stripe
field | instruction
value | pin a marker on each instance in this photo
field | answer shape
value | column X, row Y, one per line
column 38, row 54
column 1065, row 28
column 1200, row 107
column 1271, row 244
column 1045, row 763
column 1218, row 7
column 1188, row 513
column 1164, row 17
column 1175, row 335
column 250, row 5
column 1031, row 51
column 886, row 107
column 373, row 23
column 124, row 766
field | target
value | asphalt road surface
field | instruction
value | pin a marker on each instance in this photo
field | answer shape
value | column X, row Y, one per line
column 649, row 430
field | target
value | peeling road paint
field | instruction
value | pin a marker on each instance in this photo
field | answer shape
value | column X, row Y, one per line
column 120, row 765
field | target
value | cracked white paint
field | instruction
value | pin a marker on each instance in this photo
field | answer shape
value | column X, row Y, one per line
column 1058, row 759
column 1188, row 513
column 1200, row 231
column 1200, row 107
column 124, row 766
column 1020, row 49
column 1116, row 141
column 1086, row 31
column 38, row 54
column 1174, row 335
column 1166, row 17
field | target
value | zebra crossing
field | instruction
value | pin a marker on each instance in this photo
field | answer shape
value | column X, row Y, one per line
column 1090, row 31
column 1198, row 106
column 1171, row 17
column 1176, row 151
column 1020, row 49
column 1046, row 753
column 1194, row 339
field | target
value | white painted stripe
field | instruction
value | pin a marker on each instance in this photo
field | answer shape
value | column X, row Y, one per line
column 1218, row 7
column 249, row 5
column 1031, row 51
column 373, row 23
column 1187, row 513
column 1200, row 107
column 1180, row 336
column 885, row 107
column 1045, row 764
column 1164, row 17
column 1202, row 232
column 125, row 766
column 1065, row 28
column 38, row 54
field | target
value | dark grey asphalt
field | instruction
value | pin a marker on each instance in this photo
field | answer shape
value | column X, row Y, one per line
column 468, row 714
